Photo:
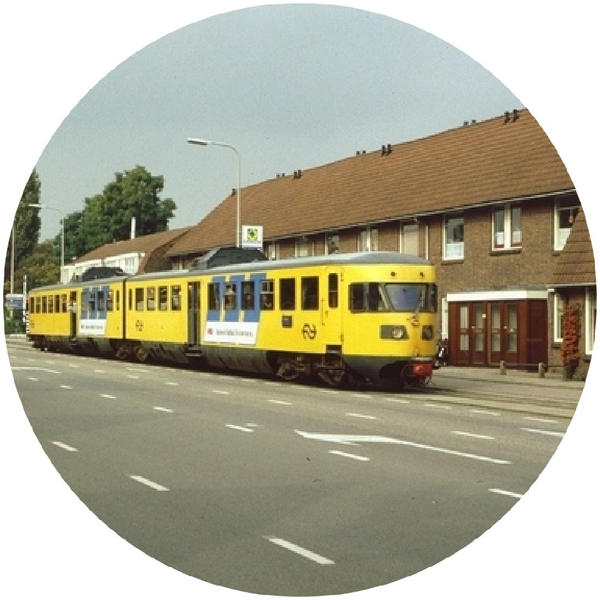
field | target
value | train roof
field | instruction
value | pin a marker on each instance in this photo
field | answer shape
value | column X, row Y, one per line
column 343, row 259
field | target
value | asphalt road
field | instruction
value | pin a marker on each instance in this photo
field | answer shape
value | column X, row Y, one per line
column 274, row 488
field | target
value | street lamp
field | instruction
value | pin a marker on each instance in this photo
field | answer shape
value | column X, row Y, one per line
column 62, row 244
column 200, row 142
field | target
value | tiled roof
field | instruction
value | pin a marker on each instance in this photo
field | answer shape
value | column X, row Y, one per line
column 144, row 244
column 477, row 163
column 575, row 265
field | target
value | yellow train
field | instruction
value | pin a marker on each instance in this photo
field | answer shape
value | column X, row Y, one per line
column 347, row 318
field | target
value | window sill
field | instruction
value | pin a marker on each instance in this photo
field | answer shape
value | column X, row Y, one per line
column 505, row 251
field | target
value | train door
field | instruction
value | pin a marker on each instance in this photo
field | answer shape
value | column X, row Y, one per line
column 73, row 309
column 331, row 314
column 193, row 313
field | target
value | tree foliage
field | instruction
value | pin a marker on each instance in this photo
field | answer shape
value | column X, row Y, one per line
column 26, row 230
column 569, row 348
column 107, row 217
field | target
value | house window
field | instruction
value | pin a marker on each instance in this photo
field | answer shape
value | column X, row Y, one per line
column 332, row 243
column 565, row 212
column 559, row 305
column 302, row 246
column 272, row 251
column 590, row 319
column 454, row 236
column 409, row 238
column 506, row 225
column 368, row 240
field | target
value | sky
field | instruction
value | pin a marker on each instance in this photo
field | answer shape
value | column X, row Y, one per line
column 291, row 87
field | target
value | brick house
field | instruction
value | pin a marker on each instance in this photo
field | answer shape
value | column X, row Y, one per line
column 491, row 204
column 574, row 283
column 142, row 254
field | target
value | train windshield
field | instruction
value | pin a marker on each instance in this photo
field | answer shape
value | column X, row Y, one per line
column 396, row 297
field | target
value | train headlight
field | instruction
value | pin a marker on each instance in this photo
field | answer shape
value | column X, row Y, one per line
column 427, row 332
column 394, row 332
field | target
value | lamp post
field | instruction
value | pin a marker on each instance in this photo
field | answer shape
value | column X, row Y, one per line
column 200, row 142
column 62, row 238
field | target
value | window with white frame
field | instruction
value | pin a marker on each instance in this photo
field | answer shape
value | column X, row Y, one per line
column 506, row 227
column 590, row 319
column 454, row 237
column 368, row 240
column 272, row 251
column 559, row 305
column 409, row 238
column 565, row 211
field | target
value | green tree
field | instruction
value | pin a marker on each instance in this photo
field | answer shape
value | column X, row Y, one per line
column 107, row 217
column 26, row 230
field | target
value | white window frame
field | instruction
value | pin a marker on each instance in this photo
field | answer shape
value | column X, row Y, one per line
column 510, row 237
column 590, row 319
column 303, row 247
column 561, row 234
column 368, row 240
column 454, row 250
column 557, row 317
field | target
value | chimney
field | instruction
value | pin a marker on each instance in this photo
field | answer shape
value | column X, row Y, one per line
column 132, row 228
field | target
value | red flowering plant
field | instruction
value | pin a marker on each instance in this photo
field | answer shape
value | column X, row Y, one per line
column 569, row 348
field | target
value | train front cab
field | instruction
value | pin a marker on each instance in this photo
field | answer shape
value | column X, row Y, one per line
column 389, row 322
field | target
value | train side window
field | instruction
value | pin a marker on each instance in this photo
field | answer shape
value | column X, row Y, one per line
column 333, row 290
column 310, row 293
column 366, row 297
column 91, row 300
column 63, row 303
column 109, row 301
column 230, row 296
column 101, row 303
column 57, row 303
column 248, row 297
column 31, row 305
column 266, row 294
column 163, row 297
column 38, row 304
column 139, row 298
column 213, row 297
column 175, row 297
column 44, row 304
column 287, row 294
column 150, row 300
column 50, row 304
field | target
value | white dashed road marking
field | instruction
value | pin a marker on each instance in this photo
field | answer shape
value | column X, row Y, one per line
column 321, row 560
column 150, row 484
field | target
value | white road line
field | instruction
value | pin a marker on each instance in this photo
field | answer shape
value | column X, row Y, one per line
column 66, row 387
column 284, row 402
column 33, row 379
column 137, row 369
column 505, row 493
column 162, row 409
column 240, row 428
column 361, row 396
column 348, row 455
column 99, row 371
column 133, row 376
column 326, row 391
column 441, row 406
column 36, row 369
column 544, row 432
column 222, row 392
column 321, row 560
column 151, row 484
column 173, row 383
column 359, row 416
column 398, row 400
column 540, row 420
column 474, row 435
column 108, row 396
column 479, row 411
column 65, row 447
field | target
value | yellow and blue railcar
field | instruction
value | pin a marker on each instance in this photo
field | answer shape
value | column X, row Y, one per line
column 82, row 317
